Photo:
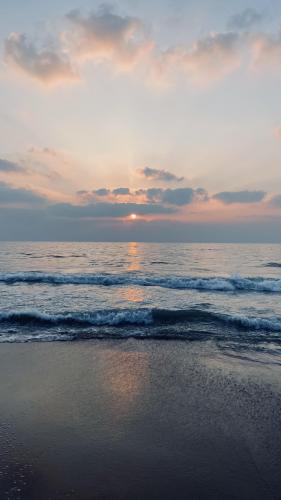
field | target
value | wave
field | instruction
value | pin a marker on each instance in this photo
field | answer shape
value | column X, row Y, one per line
column 52, row 256
column 154, row 262
column 96, row 318
column 273, row 264
column 138, row 317
column 219, row 284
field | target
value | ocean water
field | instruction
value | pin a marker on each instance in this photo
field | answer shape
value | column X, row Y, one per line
column 225, row 293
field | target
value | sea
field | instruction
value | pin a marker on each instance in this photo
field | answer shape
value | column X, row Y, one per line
column 228, row 294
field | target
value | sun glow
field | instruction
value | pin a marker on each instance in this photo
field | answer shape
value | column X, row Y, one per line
column 133, row 216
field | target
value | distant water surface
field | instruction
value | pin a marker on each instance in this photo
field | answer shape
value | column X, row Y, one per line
column 230, row 294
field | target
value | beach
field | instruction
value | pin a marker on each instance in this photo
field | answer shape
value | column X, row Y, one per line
column 138, row 419
column 140, row 250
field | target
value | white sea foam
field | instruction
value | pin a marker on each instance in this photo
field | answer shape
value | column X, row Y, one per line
column 216, row 283
column 95, row 318
column 141, row 317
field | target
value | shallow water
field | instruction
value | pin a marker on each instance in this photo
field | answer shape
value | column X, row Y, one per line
column 68, row 291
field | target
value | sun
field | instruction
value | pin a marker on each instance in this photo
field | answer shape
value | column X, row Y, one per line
column 133, row 216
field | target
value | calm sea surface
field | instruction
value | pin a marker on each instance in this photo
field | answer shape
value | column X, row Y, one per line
column 228, row 294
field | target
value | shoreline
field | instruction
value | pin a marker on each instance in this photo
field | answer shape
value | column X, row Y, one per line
column 130, row 419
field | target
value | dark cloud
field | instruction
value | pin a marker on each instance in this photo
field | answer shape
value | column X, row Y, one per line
column 153, row 194
column 229, row 197
column 177, row 197
column 12, row 195
column 101, row 192
column 10, row 167
column 82, row 192
column 159, row 175
column 180, row 197
column 121, row 191
column 96, row 210
column 246, row 19
column 45, row 65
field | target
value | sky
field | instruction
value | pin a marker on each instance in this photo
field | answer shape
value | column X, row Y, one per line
column 140, row 120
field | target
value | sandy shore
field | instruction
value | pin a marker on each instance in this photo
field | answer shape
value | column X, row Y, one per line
column 137, row 420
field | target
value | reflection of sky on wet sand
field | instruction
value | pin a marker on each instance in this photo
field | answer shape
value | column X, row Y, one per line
column 104, row 419
column 123, row 377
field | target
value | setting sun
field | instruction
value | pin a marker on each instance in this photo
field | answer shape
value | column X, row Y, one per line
column 133, row 216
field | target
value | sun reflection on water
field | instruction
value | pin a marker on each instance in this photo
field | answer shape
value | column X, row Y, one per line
column 133, row 294
column 134, row 263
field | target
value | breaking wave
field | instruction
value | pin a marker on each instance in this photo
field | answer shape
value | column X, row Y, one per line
column 138, row 317
column 220, row 284
column 96, row 318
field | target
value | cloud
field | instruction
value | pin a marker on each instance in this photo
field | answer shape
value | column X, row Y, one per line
column 229, row 197
column 121, row 191
column 152, row 194
column 44, row 151
column 113, row 210
column 266, row 50
column 12, row 195
column 177, row 197
column 7, row 166
column 104, row 35
column 104, row 193
column 209, row 59
column 82, row 192
column 122, row 41
column 275, row 201
column 180, row 197
column 245, row 19
column 202, row 194
column 101, row 192
column 45, row 65
column 159, row 175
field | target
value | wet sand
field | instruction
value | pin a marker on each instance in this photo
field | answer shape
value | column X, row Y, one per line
column 137, row 420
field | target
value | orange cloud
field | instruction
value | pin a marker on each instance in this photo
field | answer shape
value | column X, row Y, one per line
column 266, row 50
